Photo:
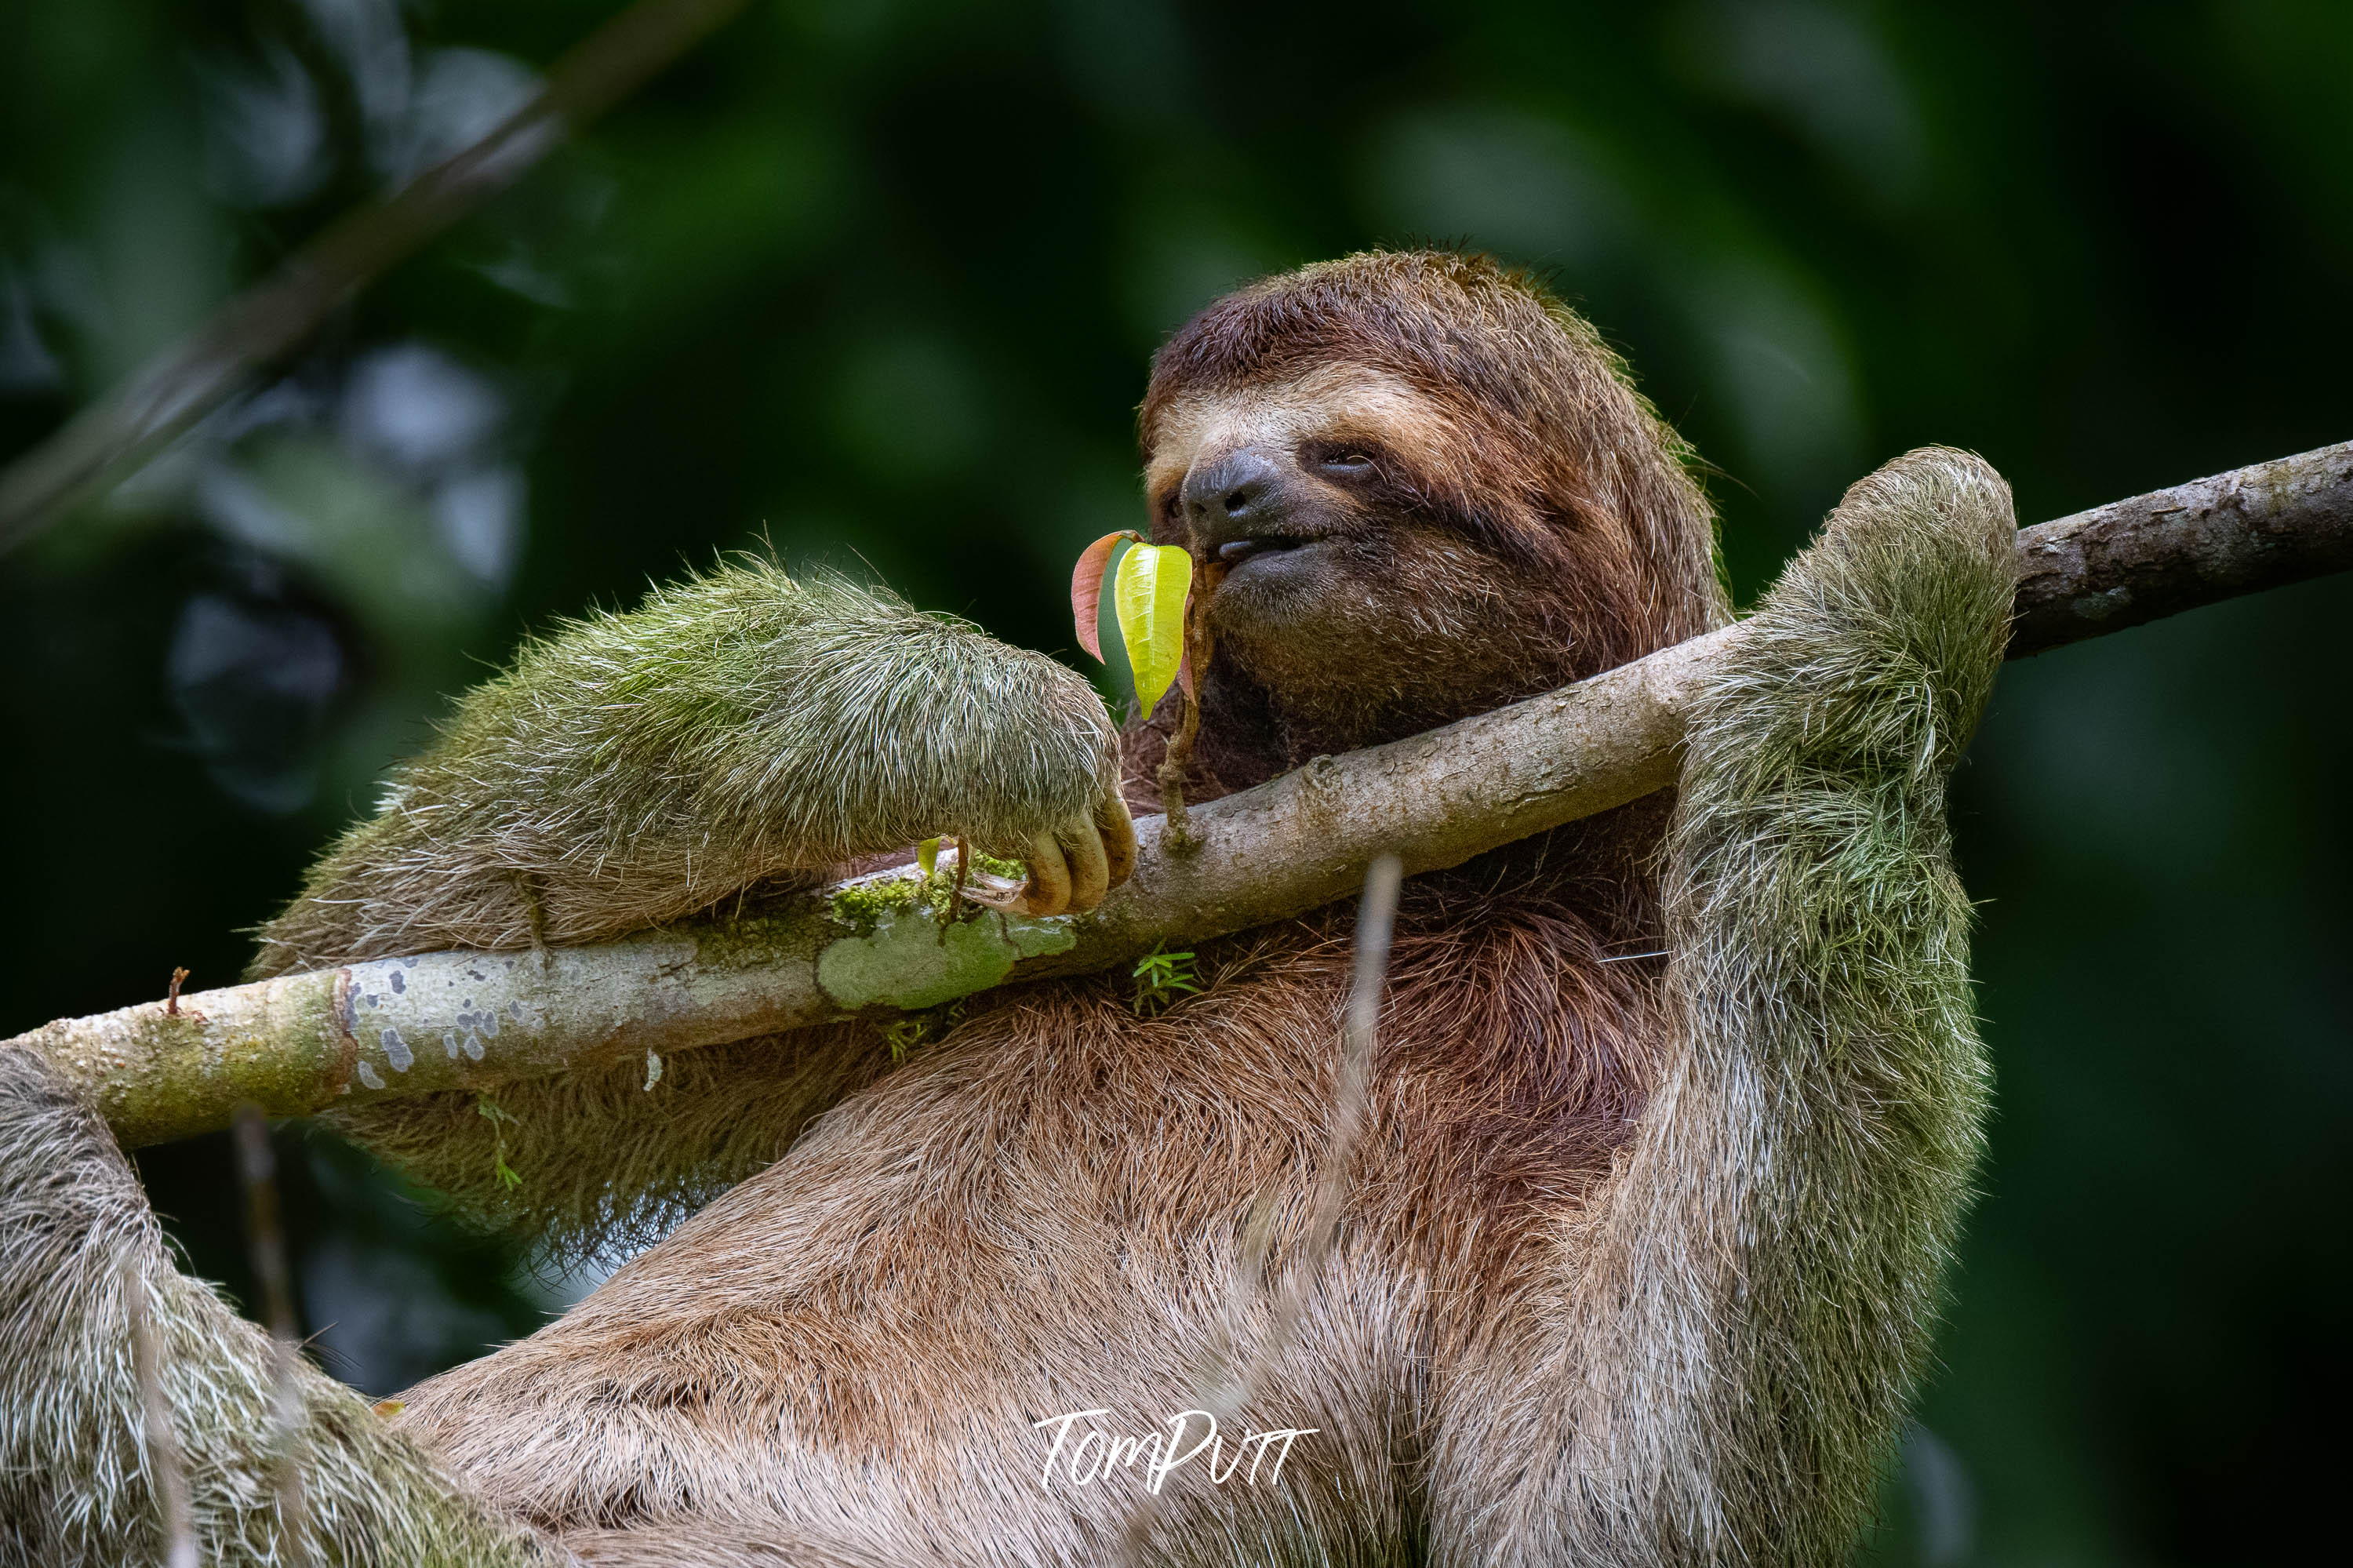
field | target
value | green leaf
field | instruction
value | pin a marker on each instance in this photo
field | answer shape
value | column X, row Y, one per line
column 1160, row 978
column 1148, row 597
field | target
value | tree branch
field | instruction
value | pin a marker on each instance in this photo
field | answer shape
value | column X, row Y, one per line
column 2139, row 560
column 137, row 419
column 471, row 1019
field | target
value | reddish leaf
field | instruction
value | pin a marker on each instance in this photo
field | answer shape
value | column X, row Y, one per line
column 1087, row 584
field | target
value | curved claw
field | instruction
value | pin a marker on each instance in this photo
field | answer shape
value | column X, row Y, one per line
column 1117, row 830
column 1071, row 868
column 1048, row 891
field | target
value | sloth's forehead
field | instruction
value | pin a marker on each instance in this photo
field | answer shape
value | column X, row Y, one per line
column 1335, row 400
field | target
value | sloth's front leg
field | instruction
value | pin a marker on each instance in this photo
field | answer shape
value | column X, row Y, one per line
column 740, row 729
column 1759, row 1282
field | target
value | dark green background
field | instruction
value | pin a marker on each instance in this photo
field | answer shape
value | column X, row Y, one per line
column 877, row 281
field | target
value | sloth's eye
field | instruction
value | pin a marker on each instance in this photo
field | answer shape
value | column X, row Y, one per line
column 1345, row 462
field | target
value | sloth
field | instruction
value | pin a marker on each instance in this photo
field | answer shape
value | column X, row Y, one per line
column 1668, row 1134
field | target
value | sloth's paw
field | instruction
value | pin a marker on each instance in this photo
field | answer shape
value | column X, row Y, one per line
column 1873, row 654
column 1921, row 555
column 1071, row 865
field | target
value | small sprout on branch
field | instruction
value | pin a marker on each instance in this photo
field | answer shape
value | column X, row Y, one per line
column 903, row 1034
column 1161, row 978
column 171, row 1008
column 500, row 1118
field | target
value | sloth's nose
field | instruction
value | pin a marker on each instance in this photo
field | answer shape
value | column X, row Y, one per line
column 1229, row 497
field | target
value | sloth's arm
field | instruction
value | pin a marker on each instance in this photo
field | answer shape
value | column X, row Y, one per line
column 741, row 729
column 738, row 728
column 1765, row 1267
column 78, row 1463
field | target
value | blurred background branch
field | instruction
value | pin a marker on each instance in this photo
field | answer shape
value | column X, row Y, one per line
column 107, row 441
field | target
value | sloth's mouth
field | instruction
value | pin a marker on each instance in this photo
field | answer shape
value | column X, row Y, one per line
column 1234, row 552
column 1268, row 580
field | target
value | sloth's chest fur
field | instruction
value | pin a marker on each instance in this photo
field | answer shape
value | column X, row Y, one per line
column 1512, row 1062
column 1065, row 1205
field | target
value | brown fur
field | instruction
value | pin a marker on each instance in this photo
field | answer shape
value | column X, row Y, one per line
column 1088, row 1171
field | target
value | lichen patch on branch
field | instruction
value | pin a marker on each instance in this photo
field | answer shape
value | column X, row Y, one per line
column 909, row 961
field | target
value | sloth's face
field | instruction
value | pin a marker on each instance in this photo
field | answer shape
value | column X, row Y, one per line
column 1289, row 495
column 1352, row 594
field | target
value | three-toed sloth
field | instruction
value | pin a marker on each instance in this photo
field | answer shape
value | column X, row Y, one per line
column 1639, row 1257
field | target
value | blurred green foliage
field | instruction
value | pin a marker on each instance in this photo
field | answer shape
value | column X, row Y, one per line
column 876, row 280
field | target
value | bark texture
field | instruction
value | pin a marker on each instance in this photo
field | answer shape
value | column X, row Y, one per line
column 2157, row 554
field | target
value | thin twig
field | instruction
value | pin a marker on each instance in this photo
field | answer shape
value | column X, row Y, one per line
column 167, row 1467
column 136, row 420
column 1233, row 1379
column 1178, row 835
column 265, row 1237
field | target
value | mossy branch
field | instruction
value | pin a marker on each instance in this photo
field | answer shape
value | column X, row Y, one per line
column 475, row 1020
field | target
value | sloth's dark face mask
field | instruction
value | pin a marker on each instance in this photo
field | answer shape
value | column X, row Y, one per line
column 1346, row 603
